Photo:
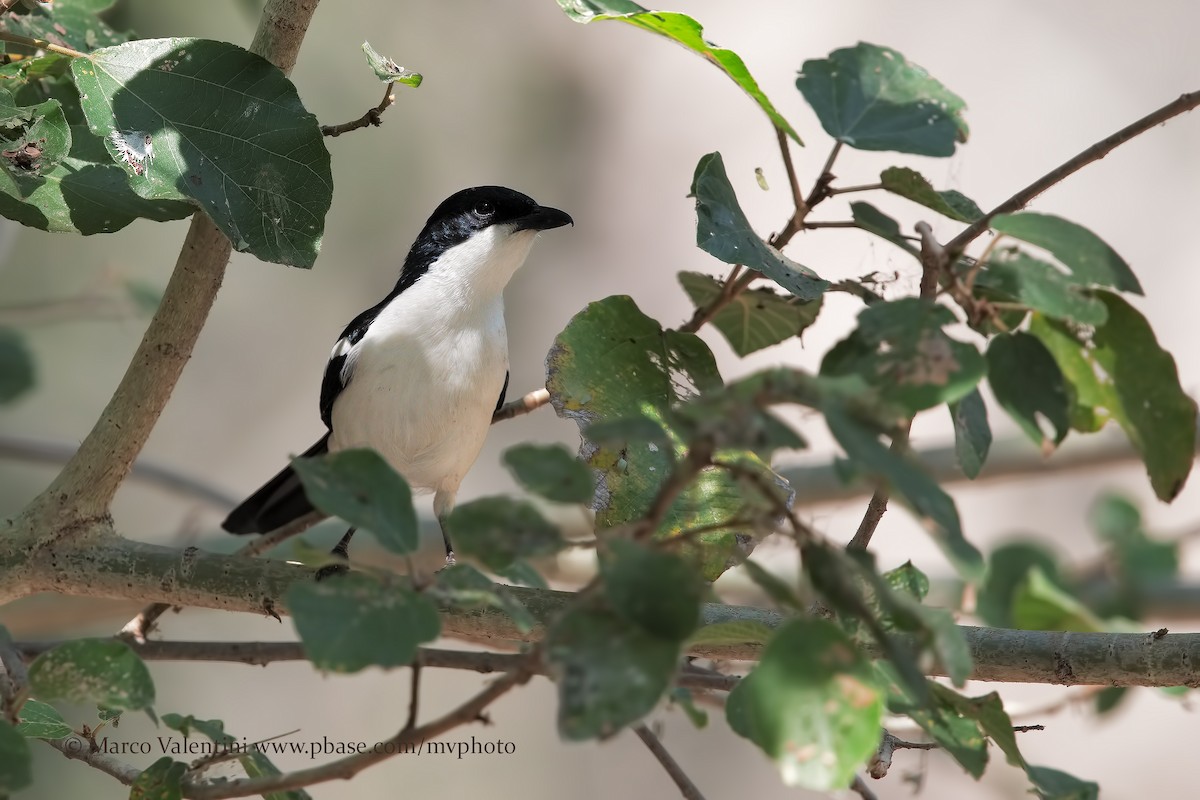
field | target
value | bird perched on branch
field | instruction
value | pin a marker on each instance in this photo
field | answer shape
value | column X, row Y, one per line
column 417, row 376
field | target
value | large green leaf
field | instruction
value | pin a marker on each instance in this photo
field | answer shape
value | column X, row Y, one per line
column 501, row 530
column 1015, row 276
column 756, row 318
column 812, row 705
column 900, row 348
column 1085, row 254
column 610, row 672
column 17, row 371
column 684, row 30
column 97, row 671
column 227, row 132
column 722, row 230
column 911, row 184
column 350, row 622
column 612, row 362
column 363, row 489
column 912, row 485
column 872, row 98
column 1120, row 371
column 1029, row 385
column 16, row 762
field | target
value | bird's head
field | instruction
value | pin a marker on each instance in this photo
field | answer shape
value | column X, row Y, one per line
column 481, row 235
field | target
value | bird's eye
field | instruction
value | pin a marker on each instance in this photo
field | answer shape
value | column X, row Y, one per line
column 484, row 209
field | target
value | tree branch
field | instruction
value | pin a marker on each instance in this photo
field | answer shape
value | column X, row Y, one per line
column 522, row 405
column 1096, row 152
column 79, row 749
column 655, row 746
column 374, row 116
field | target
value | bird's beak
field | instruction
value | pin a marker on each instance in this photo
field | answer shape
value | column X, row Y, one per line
column 543, row 219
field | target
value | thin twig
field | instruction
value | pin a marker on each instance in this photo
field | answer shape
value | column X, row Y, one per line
column 46, row 451
column 372, row 117
column 785, row 151
column 833, row 224
column 415, row 698
column 348, row 767
column 859, row 787
column 866, row 187
column 655, row 746
column 1096, row 152
column 522, row 405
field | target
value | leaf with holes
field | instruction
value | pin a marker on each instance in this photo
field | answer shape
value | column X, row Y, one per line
column 757, row 318
column 69, row 23
column 217, row 126
column 389, row 71
column 33, row 140
column 723, row 231
column 871, row 98
column 685, row 31
column 910, row 184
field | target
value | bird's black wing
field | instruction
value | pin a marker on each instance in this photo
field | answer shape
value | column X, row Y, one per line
column 503, row 392
column 341, row 364
column 278, row 502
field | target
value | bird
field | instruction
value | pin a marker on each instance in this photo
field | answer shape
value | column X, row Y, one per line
column 416, row 376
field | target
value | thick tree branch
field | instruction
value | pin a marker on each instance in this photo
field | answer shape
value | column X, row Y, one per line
column 1096, row 152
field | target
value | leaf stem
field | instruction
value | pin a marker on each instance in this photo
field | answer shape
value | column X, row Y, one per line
column 40, row 44
column 866, row 187
column 373, row 116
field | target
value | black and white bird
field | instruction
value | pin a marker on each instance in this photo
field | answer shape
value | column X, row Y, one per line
column 417, row 376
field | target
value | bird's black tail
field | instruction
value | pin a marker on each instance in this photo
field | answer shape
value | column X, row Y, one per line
column 278, row 502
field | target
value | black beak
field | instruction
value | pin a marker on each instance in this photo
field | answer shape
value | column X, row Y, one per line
column 543, row 219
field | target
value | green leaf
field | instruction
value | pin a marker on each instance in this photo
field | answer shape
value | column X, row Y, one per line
column 17, row 372
column 777, row 589
column 1137, row 560
column 1053, row 784
column 811, row 704
column 33, row 140
column 363, row 489
column 1007, row 569
column 463, row 586
column 251, row 156
column 102, row 671
column 42, row 721
column 972, row 434
column 350, row 622
column 1085, row 254
column 550, row 471
column 1151, row 406
column 389, row 71
column 871, row 98
column 162, row 780
column 696, row 715
column 612, row 362
column 733, row 632
column 86, row 194
column 901, row 349
column 659, row 592
column 522, row 573
column 910, row 184
column 500, row 530
column 1014, row 276
column 1029, row 385
column 737, row 416
column 757, row 318
column 687, row 32
column 70, row 23
column 610, row 673
column 722, row 230
column 908, row 580
column 214, row 729
column 1039, row 605
column 919, row 492
column 870, row 219
column 957, row 735
column 16, row 761
column 1109, row 698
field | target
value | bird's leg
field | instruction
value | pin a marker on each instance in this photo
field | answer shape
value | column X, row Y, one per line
column 443, row 504
column 342, row 551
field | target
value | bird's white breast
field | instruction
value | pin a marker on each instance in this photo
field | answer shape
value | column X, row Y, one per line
column 424, row 382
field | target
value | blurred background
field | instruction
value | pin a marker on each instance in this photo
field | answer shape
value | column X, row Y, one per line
column 608, row 122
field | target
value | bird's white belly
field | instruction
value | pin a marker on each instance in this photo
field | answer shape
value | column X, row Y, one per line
column 425, row 408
